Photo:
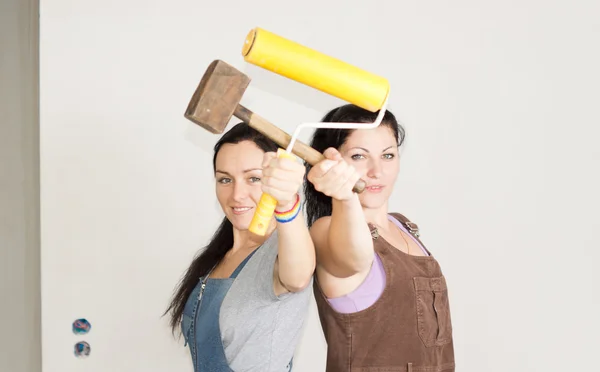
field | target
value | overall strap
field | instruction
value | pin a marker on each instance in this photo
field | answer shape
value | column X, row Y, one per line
column 412, row 227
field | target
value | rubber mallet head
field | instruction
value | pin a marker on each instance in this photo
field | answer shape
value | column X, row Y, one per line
column 217, row 97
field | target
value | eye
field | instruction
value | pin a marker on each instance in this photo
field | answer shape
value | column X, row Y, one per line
column 224, row 180
column 389, row 156
column 254, row 179
column 357, row 157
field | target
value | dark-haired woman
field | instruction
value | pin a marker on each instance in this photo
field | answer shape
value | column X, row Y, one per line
column 381, row 295
column 242, row 302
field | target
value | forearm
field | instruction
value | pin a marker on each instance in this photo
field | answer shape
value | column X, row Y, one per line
column 349, row 238
column 296, row 254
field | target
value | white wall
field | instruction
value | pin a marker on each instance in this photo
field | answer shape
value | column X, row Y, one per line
column 20, row 308
column 500, row 169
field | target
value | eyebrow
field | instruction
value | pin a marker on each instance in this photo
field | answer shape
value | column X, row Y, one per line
column 245, row 170
column 365, row 150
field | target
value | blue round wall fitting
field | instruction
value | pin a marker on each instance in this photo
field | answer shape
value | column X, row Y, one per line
column 82, row 349
column 81, row 326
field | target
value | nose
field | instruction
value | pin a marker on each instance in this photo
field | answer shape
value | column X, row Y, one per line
column 375, row 168
column 240, row 192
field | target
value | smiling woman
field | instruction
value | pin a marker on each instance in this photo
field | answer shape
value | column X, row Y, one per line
column 242, row 303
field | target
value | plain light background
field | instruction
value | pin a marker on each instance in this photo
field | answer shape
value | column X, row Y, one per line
column 500, row 168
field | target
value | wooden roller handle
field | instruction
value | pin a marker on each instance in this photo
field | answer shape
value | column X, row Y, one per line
column 280, row 137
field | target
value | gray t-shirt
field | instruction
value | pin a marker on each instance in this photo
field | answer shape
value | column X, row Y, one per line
column 260, row 330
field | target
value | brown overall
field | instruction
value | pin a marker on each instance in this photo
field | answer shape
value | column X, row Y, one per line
column 408, row 329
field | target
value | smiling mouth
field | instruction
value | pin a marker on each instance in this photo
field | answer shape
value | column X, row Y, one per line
column 240, row 210
column 375, row 188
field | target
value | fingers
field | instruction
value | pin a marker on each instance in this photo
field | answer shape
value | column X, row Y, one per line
column 351, row 181
column 282, row 178
column 337, row 181
column 332, row 176
column 287, row 164
column 284, row 169
column 320, row 174
column 347, row 180
column 332, row 158
column 320, row 169
column 282, row 190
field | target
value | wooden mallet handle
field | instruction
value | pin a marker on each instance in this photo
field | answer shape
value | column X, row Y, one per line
column 280, row 137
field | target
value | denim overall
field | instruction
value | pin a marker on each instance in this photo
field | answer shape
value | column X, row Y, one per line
column 200, row 323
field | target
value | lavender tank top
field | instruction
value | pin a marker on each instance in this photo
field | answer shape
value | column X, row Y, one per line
column 371, row 288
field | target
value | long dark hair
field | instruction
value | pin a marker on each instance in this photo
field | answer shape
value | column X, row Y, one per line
column 222, row 240
column 317, row 204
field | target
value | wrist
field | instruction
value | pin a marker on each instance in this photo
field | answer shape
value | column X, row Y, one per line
column 289, row 213
column 346, row 205
column 346, row 199
column 281, row 208
column 286, row 206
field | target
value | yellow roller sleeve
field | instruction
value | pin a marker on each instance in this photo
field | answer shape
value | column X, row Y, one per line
column 266, row 205
column 304, row 65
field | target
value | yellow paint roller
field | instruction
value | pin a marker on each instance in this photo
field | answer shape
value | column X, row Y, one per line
column 317, row 70
column 307, row 66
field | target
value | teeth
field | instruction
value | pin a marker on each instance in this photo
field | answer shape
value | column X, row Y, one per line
column 241, row 209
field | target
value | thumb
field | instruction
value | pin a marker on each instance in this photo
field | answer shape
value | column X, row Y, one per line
column 321, row 168
column 267, row 159
column 332, row 154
